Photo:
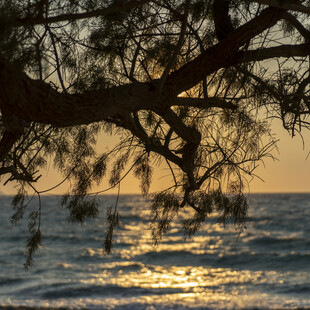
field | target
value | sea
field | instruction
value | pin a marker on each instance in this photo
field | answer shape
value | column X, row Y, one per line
column 267, row 266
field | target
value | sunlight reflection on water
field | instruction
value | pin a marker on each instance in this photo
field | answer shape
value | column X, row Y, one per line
column 266, row 267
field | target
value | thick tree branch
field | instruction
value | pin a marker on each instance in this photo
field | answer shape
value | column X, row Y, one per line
column 6, row 143
column 150, row 145
column 221, row 18
column 14, row 128
column 298, row 25
column 214, row 57
column 300, row 50
column 34, row 100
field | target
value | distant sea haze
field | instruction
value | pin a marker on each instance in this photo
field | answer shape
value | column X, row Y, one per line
column 266, row 267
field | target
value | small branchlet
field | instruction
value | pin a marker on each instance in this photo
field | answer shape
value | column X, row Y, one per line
column 80, row 208
column 165, row 206
column 99, row 168
column 203, row 204
column 19, row 206
column 143, row 171
column 34, row 241
column 234, row 208
column 230, row 207
column 118, row 167
column 112, row 222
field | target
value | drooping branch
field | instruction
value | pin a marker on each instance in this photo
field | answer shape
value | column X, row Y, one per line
column 263, row 84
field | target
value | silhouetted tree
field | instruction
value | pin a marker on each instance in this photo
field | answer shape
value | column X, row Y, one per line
column 184, row 82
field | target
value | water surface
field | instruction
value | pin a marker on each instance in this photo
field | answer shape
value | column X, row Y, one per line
column 267, row 266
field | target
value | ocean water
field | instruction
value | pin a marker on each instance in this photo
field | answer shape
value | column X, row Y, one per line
column 266, row 267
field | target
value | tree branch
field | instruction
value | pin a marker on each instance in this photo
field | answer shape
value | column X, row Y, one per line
column 113, row 9
column 178, row 47
column 203, row 103
column 301, row 50
column 285, row 5
column 130, row 125
column 298, row 25
column 224, row 52
column 270, row 89
column 14, row 128
column 34, row 100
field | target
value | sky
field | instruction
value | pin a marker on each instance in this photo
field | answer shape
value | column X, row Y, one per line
column 289, row 173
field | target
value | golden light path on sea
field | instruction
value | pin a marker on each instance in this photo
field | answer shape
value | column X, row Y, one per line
column 186, row 285
column 166, row 283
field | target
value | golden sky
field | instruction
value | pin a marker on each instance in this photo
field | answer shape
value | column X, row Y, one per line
column 290, row 173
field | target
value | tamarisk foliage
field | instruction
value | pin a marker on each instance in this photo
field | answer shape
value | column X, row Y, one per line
column 190, row 85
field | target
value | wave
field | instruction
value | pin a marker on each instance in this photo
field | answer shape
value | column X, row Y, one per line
column 264, row 261
column 285, row 242
column 269, row 260
column 111, row 291
column 296, row 289
column 11, row 281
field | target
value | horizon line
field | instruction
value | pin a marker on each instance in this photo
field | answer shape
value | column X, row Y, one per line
column 139, row 194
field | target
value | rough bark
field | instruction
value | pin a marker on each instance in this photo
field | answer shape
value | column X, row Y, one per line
column 34, row 100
